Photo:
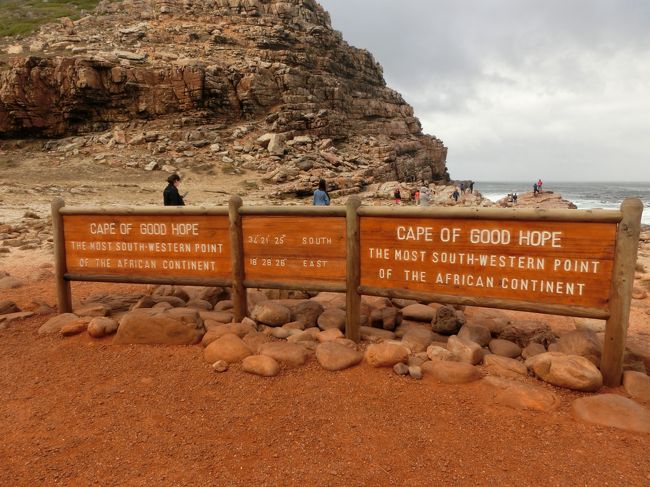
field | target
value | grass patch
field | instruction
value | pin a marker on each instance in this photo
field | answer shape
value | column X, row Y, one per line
column 24, row 16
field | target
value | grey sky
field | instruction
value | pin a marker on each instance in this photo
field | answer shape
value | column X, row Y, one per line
column 518, row 89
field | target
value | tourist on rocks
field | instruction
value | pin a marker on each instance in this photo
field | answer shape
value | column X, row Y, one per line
column 514, row 198
column 471, row 187
column 539, row 185
column 171, row 196
column 397, row 195
column 535, row 190
column 462, row 187
column 424, row 196
column 417, row 197
column 455, row 195
column 321, row 198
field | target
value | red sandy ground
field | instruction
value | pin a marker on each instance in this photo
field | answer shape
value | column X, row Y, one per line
column 78, row 411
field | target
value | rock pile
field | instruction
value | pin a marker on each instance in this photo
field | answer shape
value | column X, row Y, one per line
column 32, row 232
column 264, row 85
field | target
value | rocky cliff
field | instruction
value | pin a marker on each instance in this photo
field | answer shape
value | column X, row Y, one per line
column 275, row 69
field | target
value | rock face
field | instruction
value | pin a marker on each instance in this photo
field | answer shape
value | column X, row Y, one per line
column 278, row 63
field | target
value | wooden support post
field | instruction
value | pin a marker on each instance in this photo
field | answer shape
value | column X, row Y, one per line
column 63, row 295
column 627, row 244
column 237, row 249
column 353, row 270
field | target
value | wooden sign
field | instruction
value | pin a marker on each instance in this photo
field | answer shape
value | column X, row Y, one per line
column 287, row 249
column 148, row 246
column 564, row 263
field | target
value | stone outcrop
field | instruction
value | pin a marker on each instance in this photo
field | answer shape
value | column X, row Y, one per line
column 276, row 66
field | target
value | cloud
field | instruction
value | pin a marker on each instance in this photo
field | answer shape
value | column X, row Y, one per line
column 514, row 86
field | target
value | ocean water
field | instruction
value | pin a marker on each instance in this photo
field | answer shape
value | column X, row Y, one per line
column 585, row 195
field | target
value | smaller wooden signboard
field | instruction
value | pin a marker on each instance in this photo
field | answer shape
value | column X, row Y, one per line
column 293, row 248
column 155, row 246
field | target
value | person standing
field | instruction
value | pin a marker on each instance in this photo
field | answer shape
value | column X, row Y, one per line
column 535, row 189
column 471, row 187
column 171, row 196
column 539, row 185
column 455, row 195
column 424, row 196
column 417, row 197
column 397, row 195
column 321, row 198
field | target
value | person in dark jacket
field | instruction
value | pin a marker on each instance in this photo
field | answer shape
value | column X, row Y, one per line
column 171, row 196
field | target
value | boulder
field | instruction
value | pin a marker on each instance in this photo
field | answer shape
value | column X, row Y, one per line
column 329, row 335
column 418, row 339
column 583, row 343
column 451, row 372
column 307, row 313
column 75, row 327
column 504, row 366
column 464, row 350
column 590, row 324
column 335, row 356
column 54, row 325
column 447, row 321
column 570, row 371
column 332, row 318
column 525, row 331
column 177, row 326
column 229, row 348
column 215, row 332
column 291, row 354
column 521, row 396
column 255, row 339
column 271, row 313
column 93, row 309
column 435, row 352
column 375, row 334
column 614, row 411
column 637, row 385
column 385, row 318
column 102, row 326
column 419, row 312
column 7, row 307
column 330, row 300
column 505, row 348
column 532, row 349
column 116, row 302
column 386, row 354
column 261, row 365
column 475, row 333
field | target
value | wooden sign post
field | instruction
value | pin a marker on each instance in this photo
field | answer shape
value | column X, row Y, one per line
column 565, row 262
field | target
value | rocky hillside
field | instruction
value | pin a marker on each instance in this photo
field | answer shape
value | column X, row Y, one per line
column 262, row 85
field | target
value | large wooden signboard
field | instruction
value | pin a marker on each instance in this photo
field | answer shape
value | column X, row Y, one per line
column 562, row 263
column 167, row 246
column 290, row 248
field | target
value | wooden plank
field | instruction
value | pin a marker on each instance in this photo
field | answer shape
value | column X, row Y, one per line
column 293, row 211
column 533, row 307
column 627, row 244
column 180, row 281
column 146, row 211
column 160, row 246
column 332, row 287
column 63, row 293
column 239, row 298
column 559, row 263
column 512, row 214
column 353, row 298
column 287, row 249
